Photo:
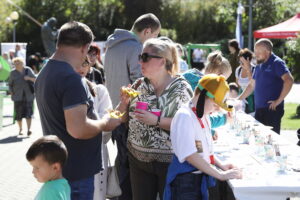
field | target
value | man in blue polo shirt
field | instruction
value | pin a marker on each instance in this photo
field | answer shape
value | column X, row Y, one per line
column 271, row 82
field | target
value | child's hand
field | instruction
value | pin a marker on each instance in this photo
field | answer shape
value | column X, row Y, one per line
column 226, row 167
column 231, row 174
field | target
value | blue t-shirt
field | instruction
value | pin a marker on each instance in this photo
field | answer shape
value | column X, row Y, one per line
column 268, row 81
column 57, row 189
column 58, row 87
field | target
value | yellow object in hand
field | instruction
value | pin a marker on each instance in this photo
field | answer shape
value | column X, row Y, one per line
column 131, row 92
column 115, row 114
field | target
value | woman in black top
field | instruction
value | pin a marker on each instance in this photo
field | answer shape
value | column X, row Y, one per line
column 96, row 73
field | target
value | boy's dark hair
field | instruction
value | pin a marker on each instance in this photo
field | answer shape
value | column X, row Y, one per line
column 235, row 44
column 246, row 53
column 233, row 86
column 74, row 34
column 146, row 21
column 50, row 147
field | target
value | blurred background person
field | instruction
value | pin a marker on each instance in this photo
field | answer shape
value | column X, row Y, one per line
column 233, row 57
column 197, row 58
column 33, row 63
column 96, row 71
column 21, row 94
column 243, row 75
column 182, row 63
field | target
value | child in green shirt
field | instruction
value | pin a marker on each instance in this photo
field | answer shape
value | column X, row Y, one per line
column 47, row 156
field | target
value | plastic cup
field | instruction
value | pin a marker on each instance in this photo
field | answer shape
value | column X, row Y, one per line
column 269, row 150
column 141, row 105
column 282, row 161
column 156, row 112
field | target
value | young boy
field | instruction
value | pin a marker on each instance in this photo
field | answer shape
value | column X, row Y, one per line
column 191, row 170
column 47, row 156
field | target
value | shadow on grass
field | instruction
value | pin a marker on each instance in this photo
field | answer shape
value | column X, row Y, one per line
column 12, row 139
column 294, row 117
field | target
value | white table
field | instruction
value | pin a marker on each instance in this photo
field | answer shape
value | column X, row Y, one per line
column 262, row 179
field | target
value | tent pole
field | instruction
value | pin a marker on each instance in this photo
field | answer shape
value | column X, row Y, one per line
column 250, row 25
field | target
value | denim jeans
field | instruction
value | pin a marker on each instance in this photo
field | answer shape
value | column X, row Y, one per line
column 82, row 189
column 187, row 187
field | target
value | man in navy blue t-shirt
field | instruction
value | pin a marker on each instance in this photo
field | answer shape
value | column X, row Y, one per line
column 63, row 102
column 271, row 82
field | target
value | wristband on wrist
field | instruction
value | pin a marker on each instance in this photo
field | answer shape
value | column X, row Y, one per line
column 158, row 121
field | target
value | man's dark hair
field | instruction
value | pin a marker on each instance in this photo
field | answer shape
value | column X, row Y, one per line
column 246, row 53
column 146, row 21
column 235, row 44
column 74, row 34
column 51, row 148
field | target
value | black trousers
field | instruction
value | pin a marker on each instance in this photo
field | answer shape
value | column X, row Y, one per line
column 270, row 117
column 147, row 179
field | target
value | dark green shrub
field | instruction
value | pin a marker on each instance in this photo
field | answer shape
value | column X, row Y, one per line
column 298, row 111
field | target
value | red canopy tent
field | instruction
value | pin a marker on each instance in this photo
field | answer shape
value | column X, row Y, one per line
column 286, row 29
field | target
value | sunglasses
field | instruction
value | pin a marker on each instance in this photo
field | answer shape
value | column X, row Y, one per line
column 145, row 57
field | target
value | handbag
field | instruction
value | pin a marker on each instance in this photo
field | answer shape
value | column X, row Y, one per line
column 30, row 83
column 113, row 188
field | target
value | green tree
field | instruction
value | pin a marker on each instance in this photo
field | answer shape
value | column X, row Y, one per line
column 6, row 26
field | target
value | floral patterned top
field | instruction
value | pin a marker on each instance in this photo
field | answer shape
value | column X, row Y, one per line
column 149, row 143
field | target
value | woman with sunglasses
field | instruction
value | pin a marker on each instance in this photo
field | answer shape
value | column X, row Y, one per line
column 149, row 142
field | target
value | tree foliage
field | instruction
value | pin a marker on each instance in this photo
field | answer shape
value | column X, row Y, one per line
column 293, row 57
column 205, row 21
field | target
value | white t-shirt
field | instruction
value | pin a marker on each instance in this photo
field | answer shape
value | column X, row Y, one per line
column 186, row 131
column 102, row 101
column 197, row 55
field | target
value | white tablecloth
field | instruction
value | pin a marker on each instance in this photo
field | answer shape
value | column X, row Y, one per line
column 262, row 179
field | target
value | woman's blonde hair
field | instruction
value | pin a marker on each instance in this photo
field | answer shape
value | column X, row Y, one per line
column 217, row 64
column 166, row 50
column 18, row 59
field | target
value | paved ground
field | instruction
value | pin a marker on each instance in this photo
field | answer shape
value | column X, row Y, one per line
column 16, row 180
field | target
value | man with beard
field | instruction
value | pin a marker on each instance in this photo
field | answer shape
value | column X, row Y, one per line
column 271, row 82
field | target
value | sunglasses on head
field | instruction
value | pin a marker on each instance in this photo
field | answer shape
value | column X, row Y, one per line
column 145, row 57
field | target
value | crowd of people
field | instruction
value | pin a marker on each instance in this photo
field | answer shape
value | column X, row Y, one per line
column 164, row 134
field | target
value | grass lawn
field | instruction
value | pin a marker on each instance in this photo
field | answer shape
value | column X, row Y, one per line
column 289, row 120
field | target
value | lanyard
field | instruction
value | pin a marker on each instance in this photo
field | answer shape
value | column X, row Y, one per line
column 199, row 119
column 211, row 157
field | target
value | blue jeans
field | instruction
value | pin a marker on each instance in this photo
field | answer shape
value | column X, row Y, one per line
column 187, row 187
column 82, row 189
